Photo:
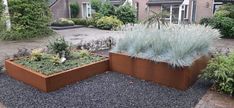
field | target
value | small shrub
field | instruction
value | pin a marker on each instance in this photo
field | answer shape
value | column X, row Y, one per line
column 222, row 13
column 126, row 14
column 36, row 54
column 59, row 46
column 177, row 45
column 91, row 21
column 55, row 59
column 226, row 10
column 205, row 21
column 225, row 25
column 63, row 22
column 220, row 70
column 74, row 9
column 108, row 23
column 223, row 20
column 96, row 17
column 85, row 22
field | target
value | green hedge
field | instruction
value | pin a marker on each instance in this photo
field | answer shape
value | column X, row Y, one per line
column 30, row 19
column 63, row 22
column 85, row 22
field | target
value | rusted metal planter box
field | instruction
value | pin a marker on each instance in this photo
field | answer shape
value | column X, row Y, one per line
column 55, row 81
column 161, row 73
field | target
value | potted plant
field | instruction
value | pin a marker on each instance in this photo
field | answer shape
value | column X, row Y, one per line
column 172, row 56
column 58, row 66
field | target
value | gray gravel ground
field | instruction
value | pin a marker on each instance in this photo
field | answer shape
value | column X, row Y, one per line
column 109, row 90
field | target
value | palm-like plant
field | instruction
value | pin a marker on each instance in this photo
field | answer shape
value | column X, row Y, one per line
column 156, row 18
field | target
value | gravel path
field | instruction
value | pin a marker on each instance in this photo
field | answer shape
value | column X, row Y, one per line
column 109, row 90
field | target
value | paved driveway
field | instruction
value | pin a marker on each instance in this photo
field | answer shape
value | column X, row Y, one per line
column 74, row 36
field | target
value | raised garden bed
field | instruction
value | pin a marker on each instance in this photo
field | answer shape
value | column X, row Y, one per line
column 48, row 83
column 160, row 72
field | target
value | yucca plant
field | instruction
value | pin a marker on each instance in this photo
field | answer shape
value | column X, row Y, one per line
column 178, row 45
column 156, row 18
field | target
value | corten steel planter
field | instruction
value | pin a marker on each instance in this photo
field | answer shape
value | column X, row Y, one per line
column 160, row 72
column 55, row 81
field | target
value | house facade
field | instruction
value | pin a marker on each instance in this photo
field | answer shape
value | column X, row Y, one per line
column 181, row 11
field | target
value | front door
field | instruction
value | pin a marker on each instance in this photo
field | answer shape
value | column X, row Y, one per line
column 86, row 10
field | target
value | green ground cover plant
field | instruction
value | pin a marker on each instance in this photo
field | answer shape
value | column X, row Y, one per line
column 220, row 70
column 177, row 45
column 50, row 64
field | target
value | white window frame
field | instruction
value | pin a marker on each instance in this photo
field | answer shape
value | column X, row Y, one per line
column 170, row 18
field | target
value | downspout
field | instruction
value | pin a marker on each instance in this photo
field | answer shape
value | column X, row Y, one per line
column 69, row 8
column 180, row 14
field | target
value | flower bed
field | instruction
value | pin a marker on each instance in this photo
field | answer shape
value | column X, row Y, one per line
column 58, row 76
column 52, row 68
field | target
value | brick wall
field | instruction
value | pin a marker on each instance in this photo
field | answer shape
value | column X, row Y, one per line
column 143, row 9
column 60, row 9
column 204, row 9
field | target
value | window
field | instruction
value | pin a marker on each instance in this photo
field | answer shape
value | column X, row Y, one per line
column 166, row 8
column 173, row 10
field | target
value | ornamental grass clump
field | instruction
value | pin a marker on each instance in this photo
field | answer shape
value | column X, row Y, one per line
column 177, row 45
